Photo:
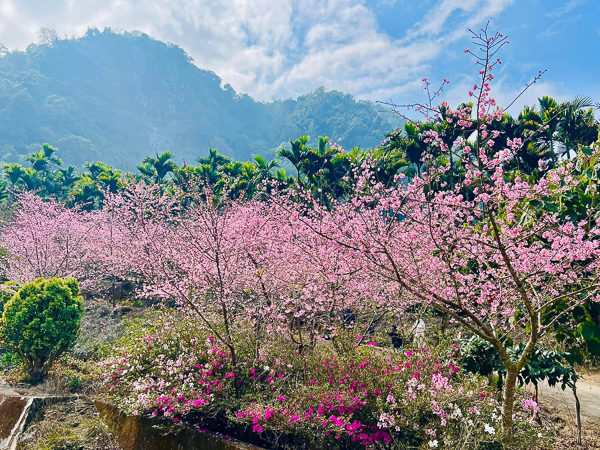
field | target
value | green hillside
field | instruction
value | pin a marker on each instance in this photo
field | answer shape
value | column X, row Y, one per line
column 121, row 96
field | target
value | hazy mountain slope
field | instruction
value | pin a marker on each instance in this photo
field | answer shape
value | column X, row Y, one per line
column 120, row 97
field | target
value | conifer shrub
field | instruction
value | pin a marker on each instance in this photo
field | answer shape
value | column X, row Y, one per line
column 7, row 291
column 40, row 322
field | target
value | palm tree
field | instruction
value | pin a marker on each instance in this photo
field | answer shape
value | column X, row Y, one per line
column 578, row 126
column 296, row 154
column 214, row 159
column 86, row 193
column 560, row 128
column 282, row 177
column 67, row 177
column 158, row 168
column 42, row 160
column 265, row 168
column 110, row 180
column 541, row 126
column 147, row 171
column 30, row 179
column 3, row 191
column 14, row 171
column 412, row 146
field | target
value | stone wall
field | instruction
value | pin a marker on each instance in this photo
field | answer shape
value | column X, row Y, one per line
column 140, row 433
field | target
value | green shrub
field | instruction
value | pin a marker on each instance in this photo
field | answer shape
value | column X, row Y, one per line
column 41, row 322
column 7, row 291
column 8, row 361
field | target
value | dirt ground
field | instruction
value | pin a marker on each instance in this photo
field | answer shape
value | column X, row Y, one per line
column 558, row 408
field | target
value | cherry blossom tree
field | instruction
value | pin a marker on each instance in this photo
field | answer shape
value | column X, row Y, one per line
column 46, row 239
column 241, row 267
column 493, row 252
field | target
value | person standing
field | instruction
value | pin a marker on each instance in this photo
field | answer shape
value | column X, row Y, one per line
column 397, row 340
column 419, row 332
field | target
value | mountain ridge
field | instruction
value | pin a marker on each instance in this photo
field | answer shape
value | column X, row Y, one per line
column 121, row 96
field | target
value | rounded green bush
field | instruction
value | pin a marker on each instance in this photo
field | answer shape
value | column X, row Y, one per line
column 7, row 291
column 41, row 322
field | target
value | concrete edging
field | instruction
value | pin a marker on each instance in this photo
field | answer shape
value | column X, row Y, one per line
column 140, row 433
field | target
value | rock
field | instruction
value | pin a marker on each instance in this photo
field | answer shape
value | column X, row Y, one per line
column 121, row 310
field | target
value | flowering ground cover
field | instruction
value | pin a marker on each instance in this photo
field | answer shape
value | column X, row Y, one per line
column 367, row 396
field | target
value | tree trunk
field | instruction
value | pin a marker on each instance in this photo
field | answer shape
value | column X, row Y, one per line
column 301, row 350
column 36, row 369
column 235, row 367
column 444, row 325
column 508, row 400
column 578, row 415
column 113, row 290
column 536, row 414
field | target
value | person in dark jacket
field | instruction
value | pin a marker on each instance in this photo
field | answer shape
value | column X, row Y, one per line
column 397, row 340
column 349, row 318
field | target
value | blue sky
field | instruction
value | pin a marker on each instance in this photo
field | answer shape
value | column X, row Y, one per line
column 374, row 49
column 562, row 37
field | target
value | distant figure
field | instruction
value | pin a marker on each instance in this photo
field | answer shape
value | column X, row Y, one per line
column 419, row 332
column 371, row 329
column 349, row 318
column 396, row 340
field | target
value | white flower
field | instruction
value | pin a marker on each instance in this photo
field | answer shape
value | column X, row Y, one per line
column 489, row 429
column 539, row 435
column 433, row 444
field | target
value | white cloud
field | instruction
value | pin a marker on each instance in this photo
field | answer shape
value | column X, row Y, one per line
column 433, row 22
column 565, row 9
column 270, row 48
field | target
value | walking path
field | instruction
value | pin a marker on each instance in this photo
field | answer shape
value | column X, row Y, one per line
column 6, row 390
column 588, row 391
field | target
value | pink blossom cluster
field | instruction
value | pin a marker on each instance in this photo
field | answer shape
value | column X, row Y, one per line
column 370, row 398
column 47, row 239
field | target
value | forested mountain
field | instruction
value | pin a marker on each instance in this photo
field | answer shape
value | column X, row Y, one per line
column 121, row 96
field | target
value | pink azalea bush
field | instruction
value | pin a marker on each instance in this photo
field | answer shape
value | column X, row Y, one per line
column 374, row 397
column 168, row 369
column 367, row 396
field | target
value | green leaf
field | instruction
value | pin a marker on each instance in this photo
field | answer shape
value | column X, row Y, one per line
column 589, row 330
